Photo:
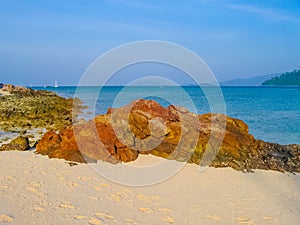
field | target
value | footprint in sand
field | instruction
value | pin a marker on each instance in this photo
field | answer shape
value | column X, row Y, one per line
column 127, row 193
column 90, row 220
column 214, row 217
column 243, row 220
column 105, row 185
column 268, row 218
column 167, row 210
column 94, row 222
column 97, row 188
column 67, row 172
column 104, row 215
column 38, row 209
column 146, row 210
column 86, row 178
column 32, row 189
column 116, row 196
column 93, row 198
column 79, row 217
column 6, row 218
column 35, row 183
column 130, row 221
column 147, row 198
column 169, row 219
column 5, row 187
column 144, row 198
column 73, row 184
column 66, row 205
column 60, row 178
column 101, row 187
column 10, row 178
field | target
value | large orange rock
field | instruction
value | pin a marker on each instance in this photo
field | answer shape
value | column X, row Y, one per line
column 145, row 127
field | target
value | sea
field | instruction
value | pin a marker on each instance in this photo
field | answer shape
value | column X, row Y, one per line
column 272, row 113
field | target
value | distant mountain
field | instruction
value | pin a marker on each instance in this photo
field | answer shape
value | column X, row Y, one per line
column 285, row 79
column 253, row 81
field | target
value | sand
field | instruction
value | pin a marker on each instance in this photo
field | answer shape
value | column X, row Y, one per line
column 4, row 92
column 38, row 190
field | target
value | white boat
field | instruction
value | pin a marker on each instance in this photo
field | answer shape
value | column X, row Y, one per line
column 55, row 84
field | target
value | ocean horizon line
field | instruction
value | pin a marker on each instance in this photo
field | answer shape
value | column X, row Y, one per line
column 190, row 86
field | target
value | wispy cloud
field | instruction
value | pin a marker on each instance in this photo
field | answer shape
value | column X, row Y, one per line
column 270, row 13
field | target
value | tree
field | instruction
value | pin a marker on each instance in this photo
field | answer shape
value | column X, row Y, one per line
column 285, row 79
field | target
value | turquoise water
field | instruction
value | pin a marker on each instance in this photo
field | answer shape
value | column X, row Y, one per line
column 273, row 114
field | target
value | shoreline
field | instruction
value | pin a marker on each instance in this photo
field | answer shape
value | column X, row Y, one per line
column 37, row 190
column 56, row 193
column 33, row 135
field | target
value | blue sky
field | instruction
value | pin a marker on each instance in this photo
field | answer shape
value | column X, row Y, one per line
column 46, row 40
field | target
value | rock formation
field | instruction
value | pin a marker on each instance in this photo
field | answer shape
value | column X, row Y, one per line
column 145, row 127
column 25, row 108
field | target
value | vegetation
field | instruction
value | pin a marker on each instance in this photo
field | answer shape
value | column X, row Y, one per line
column 285, row 79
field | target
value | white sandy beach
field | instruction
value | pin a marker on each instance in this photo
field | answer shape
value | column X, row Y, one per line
column 36, row 190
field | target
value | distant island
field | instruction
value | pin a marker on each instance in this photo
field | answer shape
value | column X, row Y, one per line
column 252, row 81
column 279, row 79
column 285, row 79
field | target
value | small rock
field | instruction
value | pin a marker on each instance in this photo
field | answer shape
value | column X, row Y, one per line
column 20, row 143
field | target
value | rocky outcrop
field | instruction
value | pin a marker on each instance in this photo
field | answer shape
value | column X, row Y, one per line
column 145, row 127
column 25, row 109
column 21, row 91
column 87, row 145
column 20, row 143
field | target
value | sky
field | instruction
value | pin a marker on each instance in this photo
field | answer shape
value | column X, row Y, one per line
column 46, row 40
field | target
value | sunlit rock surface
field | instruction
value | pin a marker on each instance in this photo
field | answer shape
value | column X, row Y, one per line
column 145, row 127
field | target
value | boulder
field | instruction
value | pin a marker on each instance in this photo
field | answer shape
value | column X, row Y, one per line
column 145, row 127
column 20, row 143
